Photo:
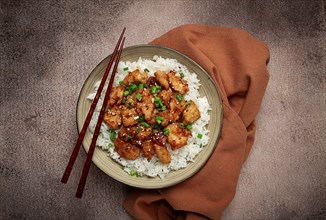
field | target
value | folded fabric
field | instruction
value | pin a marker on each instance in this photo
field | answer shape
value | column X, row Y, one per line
column 237, row 63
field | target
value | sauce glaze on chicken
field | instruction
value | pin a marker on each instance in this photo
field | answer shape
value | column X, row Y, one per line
column 149, row 113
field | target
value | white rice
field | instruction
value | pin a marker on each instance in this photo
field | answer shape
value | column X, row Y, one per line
column 180, row 157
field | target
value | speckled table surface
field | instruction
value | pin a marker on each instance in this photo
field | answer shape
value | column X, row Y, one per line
column 48, row 48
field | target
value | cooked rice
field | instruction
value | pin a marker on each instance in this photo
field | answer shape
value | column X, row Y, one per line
column 180, row 157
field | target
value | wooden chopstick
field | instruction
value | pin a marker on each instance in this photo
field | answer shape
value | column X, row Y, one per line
column 90, row 153
column 74, row 154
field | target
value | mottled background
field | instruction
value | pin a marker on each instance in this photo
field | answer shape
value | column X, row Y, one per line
column 48, row 48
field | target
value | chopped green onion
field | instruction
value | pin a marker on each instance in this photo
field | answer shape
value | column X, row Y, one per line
column 138, row 130
column 166, row 131
column 182, row 125
column 158, row 89
column 140, row 86
column 201, row 145
column 179, row 97
column 110, row 130
column 189, row 127
column 187, row 103
column 130, row 106
column 144, row 124
column 129, row 136
column 199, row 136
column 125, row 93
column 163, row 108
column 110, row 145
column 133, row 87
column 146, row 70
column 138, row 96
column 132, row 173
column 157, row 127
column 158, row 102
column 121, row 83
column 153, row 90
column 112, row 136
column 126, row 68
column 141, row 118
column 182, row 75
column 159, row 119
column 123, row 100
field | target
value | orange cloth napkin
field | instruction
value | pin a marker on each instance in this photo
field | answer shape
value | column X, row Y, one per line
column 237, row 63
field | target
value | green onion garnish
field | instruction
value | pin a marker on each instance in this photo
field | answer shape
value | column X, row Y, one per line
column 182, row 75
column 138, row 130
column 144, row 124
column 129, row 136
column 133, row 87
column 141, row 118
column 138, row 96
column 110, row 145
column 159, row 119
column 123, row 100
column 132, row 173
column 112, row 136
column 146, row 70
column 126, row 68
column 187, row 103
column 199, row 136
column 125, row 93
column 189, row 127
column 182, row 125
column 201, row 145
column 163, row 108
column 179, row 97
column 166, row 131
column 153, row 90
column 121, row 83
column 141, row 86
column 158, row 89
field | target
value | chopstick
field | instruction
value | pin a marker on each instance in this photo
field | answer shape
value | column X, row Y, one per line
column 87, row 164
column 74, row 154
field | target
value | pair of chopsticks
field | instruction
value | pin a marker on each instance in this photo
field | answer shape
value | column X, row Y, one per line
column 116, row 54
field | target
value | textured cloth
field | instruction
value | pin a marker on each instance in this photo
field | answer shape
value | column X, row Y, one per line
column 237, row 63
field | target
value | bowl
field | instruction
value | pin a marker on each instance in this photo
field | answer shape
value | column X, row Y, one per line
column 208, row 88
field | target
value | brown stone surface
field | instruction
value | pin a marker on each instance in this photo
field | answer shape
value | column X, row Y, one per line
column 48, row 48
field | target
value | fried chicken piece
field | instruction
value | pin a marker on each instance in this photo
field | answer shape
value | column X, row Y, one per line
column 125, row 134
column 162, row 153
column 112, row 117
column 165, row 96
column 126, row 150
column 178, row 137
column 162, row 79
column 191, row 113
column 141, row 133
column 116, row 95
column 177, row 84
column 176, row 108
column 159, row 138
column 148, row 150
column 146, row 106
column 135, row 77
column 129, row 117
